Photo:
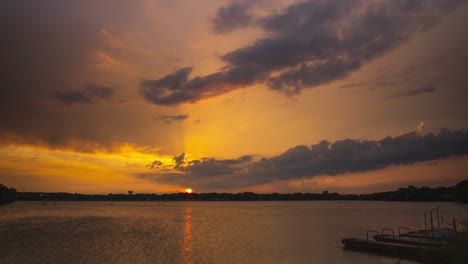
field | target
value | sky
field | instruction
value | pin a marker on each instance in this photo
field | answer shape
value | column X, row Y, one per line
column 230, row 96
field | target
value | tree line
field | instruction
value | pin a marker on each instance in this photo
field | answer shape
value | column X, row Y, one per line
column 458, row 192
column 7, row 195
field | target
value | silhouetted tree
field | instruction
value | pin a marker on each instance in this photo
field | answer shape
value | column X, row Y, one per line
column 7, row 195
column 461, row 191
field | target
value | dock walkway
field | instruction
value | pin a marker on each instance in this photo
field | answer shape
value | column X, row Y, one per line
column 389, row 249
column 414, row 245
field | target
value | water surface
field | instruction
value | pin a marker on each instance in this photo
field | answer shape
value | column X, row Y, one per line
column 201, row 232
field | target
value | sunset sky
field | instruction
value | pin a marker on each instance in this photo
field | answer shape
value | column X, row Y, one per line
column 231, row 96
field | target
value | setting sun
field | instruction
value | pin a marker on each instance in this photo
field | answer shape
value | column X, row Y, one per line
column 188, row 190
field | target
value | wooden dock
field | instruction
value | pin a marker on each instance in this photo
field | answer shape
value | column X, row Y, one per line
column 407, row 251
column 435, row 234
column 415, row 245
column 417, row 241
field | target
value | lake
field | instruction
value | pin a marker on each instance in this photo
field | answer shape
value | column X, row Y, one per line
column 202, row 232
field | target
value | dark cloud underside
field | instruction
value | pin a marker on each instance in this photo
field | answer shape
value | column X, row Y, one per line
column 308, row 44
column 324, row 158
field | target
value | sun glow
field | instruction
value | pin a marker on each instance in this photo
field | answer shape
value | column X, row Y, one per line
column 75, row 171
column 188, row 190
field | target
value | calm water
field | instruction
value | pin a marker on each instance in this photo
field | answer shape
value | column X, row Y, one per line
column 200, row 232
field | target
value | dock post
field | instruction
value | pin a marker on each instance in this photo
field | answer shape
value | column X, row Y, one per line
column 425, row 220
column 432, row 224
column 402, row 227
column 388, row 229
column 455, row 226
column 437, row 210
column 370, row 231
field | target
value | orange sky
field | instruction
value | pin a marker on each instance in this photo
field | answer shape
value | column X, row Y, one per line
column 75, row 118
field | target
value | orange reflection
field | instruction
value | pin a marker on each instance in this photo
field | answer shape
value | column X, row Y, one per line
column 187, row 247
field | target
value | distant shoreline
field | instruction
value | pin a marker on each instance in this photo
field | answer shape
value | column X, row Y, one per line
column 458, row 192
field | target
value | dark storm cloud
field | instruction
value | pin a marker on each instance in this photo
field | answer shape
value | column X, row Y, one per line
column 234, row 16
column 324, row 158
column 308, row 44
column 350, row 155
column 421, row 90
column 171, row 118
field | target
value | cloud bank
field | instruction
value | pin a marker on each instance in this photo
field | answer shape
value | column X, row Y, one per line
column 324, row 158
column 307, row 44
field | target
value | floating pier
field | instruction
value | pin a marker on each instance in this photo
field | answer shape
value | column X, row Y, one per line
column 416, row 241
column 400, row 250
column 413, row 245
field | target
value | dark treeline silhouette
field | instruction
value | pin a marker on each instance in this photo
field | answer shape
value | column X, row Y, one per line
column 458, row 192
column 461, row 191
column 7, row 195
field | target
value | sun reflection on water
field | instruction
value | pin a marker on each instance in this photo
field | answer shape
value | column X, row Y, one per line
column 187, row 247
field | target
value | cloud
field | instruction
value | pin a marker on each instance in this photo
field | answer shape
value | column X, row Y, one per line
column 155, row 164
column 235, row 15
column 421, row 90
column 99, row 91
column 324, row 158
column 204, row 173
column 72, row 97
column 307, row 44
column 171, row 118
column 84, row 97
column 210, row 167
